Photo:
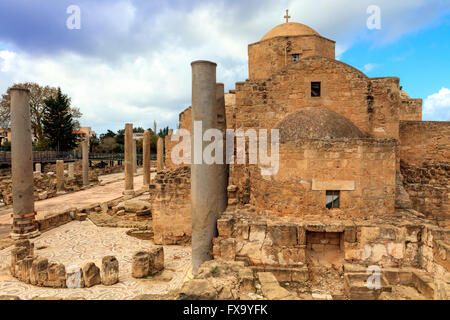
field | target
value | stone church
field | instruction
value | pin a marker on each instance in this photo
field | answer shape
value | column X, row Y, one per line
column 360, row 173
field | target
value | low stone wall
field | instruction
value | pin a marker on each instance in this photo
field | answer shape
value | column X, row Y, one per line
column 38, row 271
column 147, row 263
column 428, row 186
column 283, row 242
column 170, row 194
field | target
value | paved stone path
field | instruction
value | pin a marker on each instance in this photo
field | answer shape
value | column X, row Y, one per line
column 78, row 242
column 110, row 191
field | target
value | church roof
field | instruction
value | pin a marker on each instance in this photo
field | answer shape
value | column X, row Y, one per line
column 290, row 29
column 316, row 123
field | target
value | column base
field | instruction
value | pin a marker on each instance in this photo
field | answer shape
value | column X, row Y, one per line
column 129, row 193
column 28, row 235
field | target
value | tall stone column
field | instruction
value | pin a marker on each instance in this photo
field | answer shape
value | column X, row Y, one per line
column 59, row 176
column 24, row 224
column 159, row 154
column 85, row 161
column 208, row 191
column 129, row 171
column 71, row 170
column 134, row 157
column 146, row 158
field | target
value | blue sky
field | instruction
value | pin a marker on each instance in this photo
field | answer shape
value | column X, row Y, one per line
column 130, row 61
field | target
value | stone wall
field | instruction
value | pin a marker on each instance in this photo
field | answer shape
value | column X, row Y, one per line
column 247, row 235
column 424, row 141
column 269, row 56
column 38, row 271
column 364, row 171
column 428, row 186
column 411, row 110
column 371, row 104
column 170, row 194
column 424, row 154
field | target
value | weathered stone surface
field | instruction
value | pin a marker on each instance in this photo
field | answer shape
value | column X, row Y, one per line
column 136, row 205
column 110, row 270
column 272, row 289
column 91, row 274
column 56, row 276
column 197, row 289
column 156, row 259
column 140, row 264
column 6, row 297
column 39, row 271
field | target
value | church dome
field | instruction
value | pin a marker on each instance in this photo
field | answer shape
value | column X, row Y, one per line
column 290, row 29
column 316, row 123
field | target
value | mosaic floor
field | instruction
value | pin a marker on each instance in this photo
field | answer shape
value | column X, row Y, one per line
column 78, row 242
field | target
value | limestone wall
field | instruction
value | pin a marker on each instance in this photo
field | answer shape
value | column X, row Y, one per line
column 364, row 171
column 424, row 154
column 170, row 194
column 269, row 56
column 284, row 242
column 371, row 104
column 411, row 110
column 424, row 141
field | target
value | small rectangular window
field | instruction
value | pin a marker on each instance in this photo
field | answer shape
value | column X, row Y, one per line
column 332, row 199
column 315, row 89
column 295, row 57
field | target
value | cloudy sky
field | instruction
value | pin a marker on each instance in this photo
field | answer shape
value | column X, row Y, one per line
column 130, row 60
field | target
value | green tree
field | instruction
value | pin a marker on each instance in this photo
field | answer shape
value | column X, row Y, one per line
column 58, row 123
column 38, row 94
column 6, row 146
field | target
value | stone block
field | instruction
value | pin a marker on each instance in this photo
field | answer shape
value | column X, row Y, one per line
column 257, row 232
column 109, row 271
column 301, row 235
column 350, row 234
column 56, row 276
column 91, row 274
column 197, row 289
column 140, row 264
column 74, row 277
column 369, row 234
column 225, row 227
column 156, row 260
column 17, row 254
column 228, row 249
column 39, row 271
column 246, row 280
column 283, row 235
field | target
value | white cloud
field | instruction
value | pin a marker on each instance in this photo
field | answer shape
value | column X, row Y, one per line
column 135, row 67
column 7, row 57
column 437, row 106
column 369, row 67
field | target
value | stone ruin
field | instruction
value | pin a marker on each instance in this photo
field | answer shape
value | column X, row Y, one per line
column 28, row 268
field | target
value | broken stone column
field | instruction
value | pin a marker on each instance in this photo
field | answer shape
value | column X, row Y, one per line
column 146, row 158
column 159, row 154
column 110, row 271
column 38, row 168
column 85, row 161
column 59, row 176
column 91, row 274
column 129, row 173
column 24, row 225
column 71, row 170
column 134, row 157
column 208, row 192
